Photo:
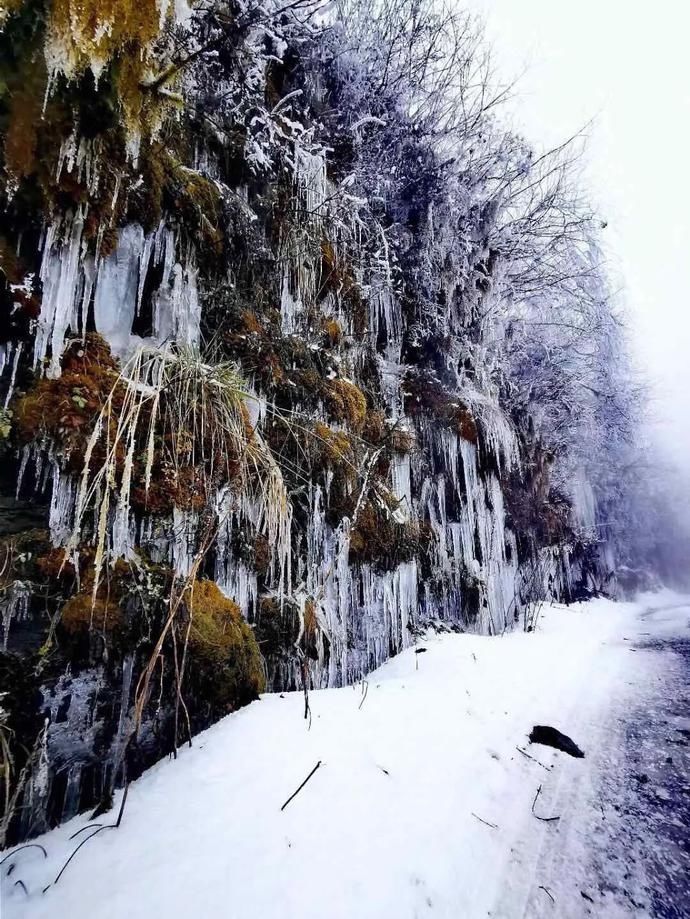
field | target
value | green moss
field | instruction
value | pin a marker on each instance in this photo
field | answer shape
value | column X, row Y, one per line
column 225, row 668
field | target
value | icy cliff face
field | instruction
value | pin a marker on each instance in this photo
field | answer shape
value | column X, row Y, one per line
column 305, row 214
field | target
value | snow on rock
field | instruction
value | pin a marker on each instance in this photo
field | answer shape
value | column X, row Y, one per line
column 419, row 799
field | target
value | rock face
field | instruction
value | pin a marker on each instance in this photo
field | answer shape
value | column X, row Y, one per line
column 349, row 272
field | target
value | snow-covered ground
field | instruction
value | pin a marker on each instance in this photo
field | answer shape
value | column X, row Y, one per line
column 423, row 801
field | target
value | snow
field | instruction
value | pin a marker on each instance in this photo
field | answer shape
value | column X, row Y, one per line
column 413, row 761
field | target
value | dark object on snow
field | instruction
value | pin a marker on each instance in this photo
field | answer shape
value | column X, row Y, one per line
column 295, row 793
column 550, row 737
column 421, row 650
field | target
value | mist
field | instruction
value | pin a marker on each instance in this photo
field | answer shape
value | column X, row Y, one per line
column 619, row 73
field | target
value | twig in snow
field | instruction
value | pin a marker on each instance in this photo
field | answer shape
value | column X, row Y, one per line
column 525, row 753
column 22, row 885
column 493, row 826
column 295, row 793
column 365, row 688
column 122, row 803
column 89, row 826
column 547, row 892
column 30, row 845
column 97, row 828
column 543, row 819
column 82, row 843
column 384, row 770
column 305, row 687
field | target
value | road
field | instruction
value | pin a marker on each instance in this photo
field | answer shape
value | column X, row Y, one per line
column 622, row 845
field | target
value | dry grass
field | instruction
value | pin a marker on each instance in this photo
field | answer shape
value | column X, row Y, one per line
column 172, row 399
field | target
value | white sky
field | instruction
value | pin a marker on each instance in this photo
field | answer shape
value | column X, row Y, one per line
column 625, row 64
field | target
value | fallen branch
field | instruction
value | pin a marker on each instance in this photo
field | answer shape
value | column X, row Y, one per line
column 547, row 892
column 543, row 819
column 295, row 793
column 526, row 754
column 493, row 826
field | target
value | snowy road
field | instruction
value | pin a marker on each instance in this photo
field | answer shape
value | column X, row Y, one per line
column 423, row 805
column 623, row 840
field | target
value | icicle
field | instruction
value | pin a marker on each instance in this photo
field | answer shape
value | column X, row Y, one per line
column 401, row 485
column 5, row 355
column 62, row 506
column 14, row 605
column 26, row 453
column 290, row 307
column 117, row 286
column 584, row 502
column 311, row 181
column 62, row 280
column 183, row 544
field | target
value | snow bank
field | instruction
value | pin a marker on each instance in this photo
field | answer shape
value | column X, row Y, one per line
column 416, row 764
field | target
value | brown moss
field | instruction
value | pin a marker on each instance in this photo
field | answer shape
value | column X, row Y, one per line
column 196, row 203
column 250, row 323
column 20, row 556
column 8, row 8
column 55, row 565
column 460, row 419
column 335, row 275
column 262, row 555
column 346, row 403
column 332, row 331
column 64, row 410
column 378, row 539
column 9, row 263
column 402, row 440
column 375, row 429
column 333, row 447
column 26, row 103
column 82, row 613
column 427, row 396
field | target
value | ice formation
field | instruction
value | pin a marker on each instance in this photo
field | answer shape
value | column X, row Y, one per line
column 113, row 286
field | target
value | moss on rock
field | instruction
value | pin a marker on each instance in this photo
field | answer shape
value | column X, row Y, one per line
column 225, row 669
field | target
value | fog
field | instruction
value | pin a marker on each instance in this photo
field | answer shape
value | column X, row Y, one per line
column 620, row 69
